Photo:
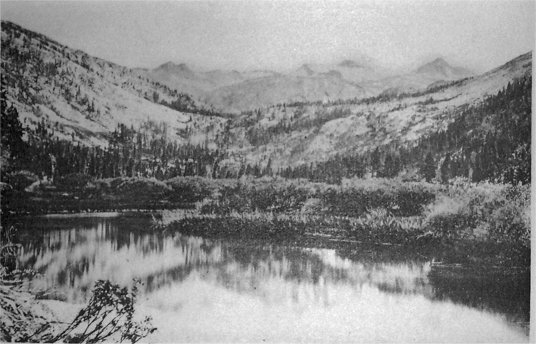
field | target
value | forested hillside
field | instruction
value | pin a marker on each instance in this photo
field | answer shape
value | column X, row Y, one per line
column 487, row 141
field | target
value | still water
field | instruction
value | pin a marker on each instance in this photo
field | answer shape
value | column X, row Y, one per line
column 210, row 290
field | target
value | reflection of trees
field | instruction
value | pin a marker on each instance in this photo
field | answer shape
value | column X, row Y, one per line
column 247, row 266
column 75, row 258
column 72, row 259
column 506, row 292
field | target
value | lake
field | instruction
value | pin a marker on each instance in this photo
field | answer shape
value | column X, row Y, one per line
column 223, row 290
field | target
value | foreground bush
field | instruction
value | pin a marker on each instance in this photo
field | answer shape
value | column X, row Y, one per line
column 110, row 310
column 109, row 315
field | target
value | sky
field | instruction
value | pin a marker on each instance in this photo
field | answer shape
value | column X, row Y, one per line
column 284, row 34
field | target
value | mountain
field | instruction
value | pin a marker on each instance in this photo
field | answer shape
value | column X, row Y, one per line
column 198, row 83
column 309, row 82
column 241, row 91
column 439, row 69
column 304, row 71
column 266, row 91
column 350, row 64
column 302, row 135
column 233, row 91
column 349, row 70
column 431, row 74
column 83, row 99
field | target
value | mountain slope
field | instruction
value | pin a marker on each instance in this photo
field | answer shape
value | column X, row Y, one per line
column 304, row 134
column 84, row 98
column 309, row 82
column 198, row 83
column 431, row 74
column 266, row 91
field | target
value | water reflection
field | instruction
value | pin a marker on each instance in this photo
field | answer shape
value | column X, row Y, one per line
column 222, row 290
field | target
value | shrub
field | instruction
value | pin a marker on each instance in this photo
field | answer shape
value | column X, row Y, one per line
column 357, row 195
column 110, row 310
column 499, row 213
column 72, row 182
column 20, row 180
column 312, row 206
column 379, row 225
column 192, row 189
column 138, row 188
column 510, row 222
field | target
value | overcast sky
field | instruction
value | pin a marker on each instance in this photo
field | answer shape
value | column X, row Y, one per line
column 284, row 34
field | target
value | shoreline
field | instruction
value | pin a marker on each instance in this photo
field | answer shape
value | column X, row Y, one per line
column 487, row 221
column 410, row 234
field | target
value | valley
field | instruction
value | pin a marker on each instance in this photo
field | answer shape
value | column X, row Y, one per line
column 82, row 99
column 409, row 184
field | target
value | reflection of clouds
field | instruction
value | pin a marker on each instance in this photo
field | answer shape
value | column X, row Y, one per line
column 199, row 310
column 201, row 289
column 407, row 277
column 75, row 265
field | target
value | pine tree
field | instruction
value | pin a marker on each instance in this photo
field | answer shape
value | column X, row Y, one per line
column 13, row 147
column 428, row 167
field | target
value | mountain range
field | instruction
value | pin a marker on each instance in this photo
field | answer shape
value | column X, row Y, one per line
column 233, row 91
column 303, row 116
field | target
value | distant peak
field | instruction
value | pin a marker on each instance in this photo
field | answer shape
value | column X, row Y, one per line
column 306, row 70
column 175, row 67
column 350, row 64
column 167, row 65
column 334, row 73
column 439, row 61
column 441, row 67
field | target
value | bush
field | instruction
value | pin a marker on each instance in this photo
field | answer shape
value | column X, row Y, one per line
column 257, row 195
column 500, row 213
column 20, row 180
column 357, row 195
column 72, row 182
column 312, row 206
column 193, row 189
column 110, row 311
column 133, row 188
column 510, row 222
